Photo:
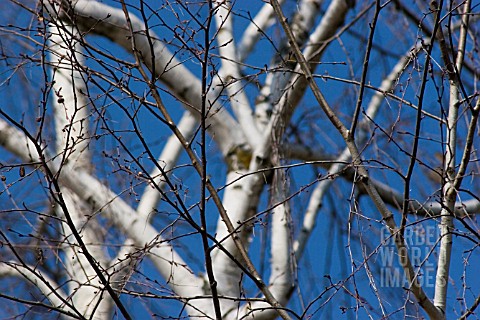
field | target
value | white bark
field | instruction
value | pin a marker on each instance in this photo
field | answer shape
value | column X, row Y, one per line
column 84, row 286
column 68, row 100
column 167, row 261
column 390, row 195
column 245, row 139
column 446, row 220
column 237, row 198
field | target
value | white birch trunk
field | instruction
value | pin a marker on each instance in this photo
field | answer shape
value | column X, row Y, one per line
column 71, row 122
column 452, row 181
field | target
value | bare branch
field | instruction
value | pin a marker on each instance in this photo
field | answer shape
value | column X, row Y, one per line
column 372, row 191
column 93, row 192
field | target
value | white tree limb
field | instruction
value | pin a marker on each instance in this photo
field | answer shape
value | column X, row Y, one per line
column 277, row 82
column 316, row 199
column 167, row 261
column 388, row 194
column 51, row 290
column 281, row 266
column 230, row 75
column 262, row 21
column 167, row 160
column 326, row 29
column 71, row 122
column 244, row 189
column 347, row 136
column 452, row 183
column 239, row 198
column 98, row 18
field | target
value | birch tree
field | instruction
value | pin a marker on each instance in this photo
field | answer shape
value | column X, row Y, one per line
column 216, row 159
